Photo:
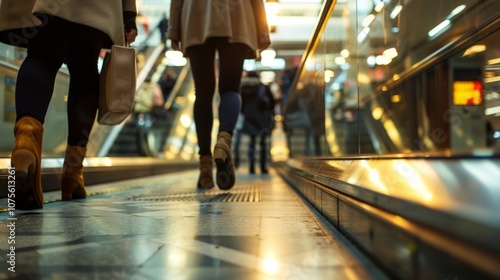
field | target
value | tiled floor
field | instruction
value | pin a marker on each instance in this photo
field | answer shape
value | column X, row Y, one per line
column 161, row 228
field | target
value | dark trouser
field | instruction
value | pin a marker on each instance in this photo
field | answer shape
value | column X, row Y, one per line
column 263, row 152
column 59, row 41
column 202, row 58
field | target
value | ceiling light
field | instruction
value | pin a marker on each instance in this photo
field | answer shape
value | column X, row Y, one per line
column 440, row 27
column 380, row 5
column 456, row 11
column 395, row 12
column 368, row 20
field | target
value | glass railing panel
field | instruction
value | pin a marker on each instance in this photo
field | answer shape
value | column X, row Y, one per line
column 148, row 46
column 55, row 128
column 396, row 83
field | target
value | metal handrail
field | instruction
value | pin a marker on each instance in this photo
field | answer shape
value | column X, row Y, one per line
column 325, row 13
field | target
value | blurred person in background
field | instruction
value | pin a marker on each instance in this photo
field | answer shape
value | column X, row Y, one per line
column 73, row 33
column 230, row 29
column 163, row 28
column 257, row 112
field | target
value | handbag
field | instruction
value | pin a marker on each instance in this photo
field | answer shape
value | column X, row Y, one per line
column 259, row 12
column 117, row 86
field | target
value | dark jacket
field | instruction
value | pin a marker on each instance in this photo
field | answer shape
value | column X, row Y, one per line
column 258, row 111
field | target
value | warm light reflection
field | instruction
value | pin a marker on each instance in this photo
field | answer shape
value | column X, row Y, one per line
column 493, row 61
column 169, row 155
column 107, row 161
column 368, row 20
column 412, row 177
column 339, row 60
column 492, row 80
column 272, row 11
column 474, row 50
column 374, row 177
column 380, row 5
column 176, row 258
column 345, row 53
column 330, row 135
column 390, row 53
column 185, row 120
column 362, row 35
column 188, row 149
column 382, row 60
column 393, row 133
column 395, row 98
column 363, row 78
column 174, row 147
column 377, row 113
column 185, row 156
column 175, row 140
column 270, row 265
column 180, row 130
column 329, row 74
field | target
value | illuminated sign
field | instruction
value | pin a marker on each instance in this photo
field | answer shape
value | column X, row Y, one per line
column 467, row 93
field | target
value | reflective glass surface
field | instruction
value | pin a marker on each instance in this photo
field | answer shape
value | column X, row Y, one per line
column 396, row 77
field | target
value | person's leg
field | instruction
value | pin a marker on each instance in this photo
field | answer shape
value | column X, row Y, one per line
column 201, row 58
column 84, row 46
column 83, row 99
column 35, row 84
column 37, row 74
column 231, row 57
column 251, row 153
column 237, row 142
column 263, row 152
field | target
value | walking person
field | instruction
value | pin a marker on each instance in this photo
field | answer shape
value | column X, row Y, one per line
column 234, row 31
column 54, row 33
column 163, row 28
column 258, row 119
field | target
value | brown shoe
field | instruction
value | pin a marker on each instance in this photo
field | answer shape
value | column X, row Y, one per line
column 72, row 185
column 26, row 159
column 206, row 180
column 222, row 157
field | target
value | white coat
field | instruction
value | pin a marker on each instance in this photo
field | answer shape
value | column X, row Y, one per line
column 104, row 15
column 193, row 21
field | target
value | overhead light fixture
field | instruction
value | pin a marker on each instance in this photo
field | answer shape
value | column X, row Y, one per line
column 395, row 12
column 368, row 20
column 445, row 24
column 440, row 27
column 362, row 35
column 380, row 5
column 272, row 10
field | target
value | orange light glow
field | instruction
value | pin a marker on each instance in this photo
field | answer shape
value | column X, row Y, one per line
column 467, row 93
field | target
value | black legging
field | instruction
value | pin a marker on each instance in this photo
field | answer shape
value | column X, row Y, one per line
column 60, row 41
column 231, row 58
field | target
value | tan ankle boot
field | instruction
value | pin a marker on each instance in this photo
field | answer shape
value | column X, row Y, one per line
column 222, row 157
column 26, row 158
column 206, row 180
column 72, row 185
